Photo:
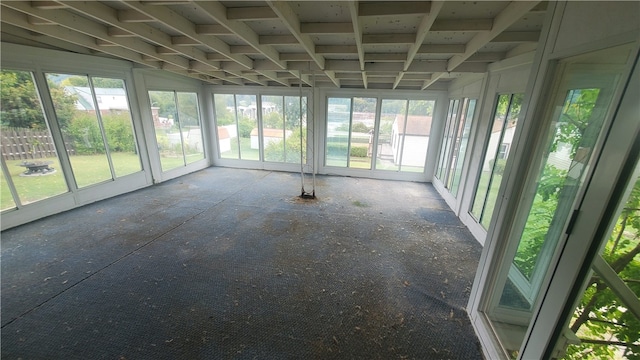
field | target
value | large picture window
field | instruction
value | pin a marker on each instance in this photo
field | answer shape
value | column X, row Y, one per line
column 454, row 145
column 397, row 135
column 31, row 169
column 94, row 116
column 495, row 156
column 283, row 135
column 176, row 120
column 271, row 128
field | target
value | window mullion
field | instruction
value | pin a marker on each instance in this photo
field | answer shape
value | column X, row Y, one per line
column 101, row 127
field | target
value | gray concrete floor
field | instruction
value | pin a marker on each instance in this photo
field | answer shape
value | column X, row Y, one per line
column 230, row 264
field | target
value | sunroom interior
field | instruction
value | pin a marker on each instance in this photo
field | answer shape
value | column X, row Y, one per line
column 522, row 115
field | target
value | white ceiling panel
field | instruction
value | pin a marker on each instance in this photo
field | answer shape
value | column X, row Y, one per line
column 263, row 43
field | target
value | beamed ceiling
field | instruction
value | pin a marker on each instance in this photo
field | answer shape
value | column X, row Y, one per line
column 342, row 44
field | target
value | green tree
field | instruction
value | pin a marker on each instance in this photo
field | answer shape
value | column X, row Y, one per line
column 601, row 321
column 224, row 116
column 245, row 125
column 83, row 128
column 119, row 133
column 272, row 120
column 292, row 112
column 365, row 105
column 165, row 101
column 97, row 82
column 20, row 105
column 421, row 107
column 290, row 152
column 188, row 109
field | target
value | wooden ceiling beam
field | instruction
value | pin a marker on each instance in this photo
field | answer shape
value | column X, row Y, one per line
column 336, row 49
column 517, row 36
column 354, row 11
column 326, row 28
column 277, row 40
column 47, row 5
column 117, row 29
column 441, row 49
column 250, row 13
column 385, row 57
column 188, row 28
column 462, row 25
column 212, row 29
column 214, row 9
column 292, row 22
column 507, row 17
column 425, row 26
column 383, row 39
column 133, row 16
column 243, row 49
column 17, row 18
column 389, row 8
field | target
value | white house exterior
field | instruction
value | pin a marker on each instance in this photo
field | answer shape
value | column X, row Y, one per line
column 108, row 98
column 411, row 140
column 270, row 136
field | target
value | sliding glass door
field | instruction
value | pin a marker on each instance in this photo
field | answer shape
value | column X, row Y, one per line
column 394, row 132
column 577, row 121
column 176, row 121
column 454, row 146
column 265, row 128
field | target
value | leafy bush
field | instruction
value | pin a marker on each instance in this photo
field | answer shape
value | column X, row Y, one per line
column 245, row 125
column 83, row 129
column 119, row 133
column 341, row 150
column 358, row 151
column 289, row 153
column 500, row 165
column 355, row 127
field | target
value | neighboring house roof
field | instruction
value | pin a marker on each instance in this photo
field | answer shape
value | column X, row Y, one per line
column 223, row 132
column 83, row 97
column 85, row 100
column 272, row 133
column 416, row 125
column 497, row 125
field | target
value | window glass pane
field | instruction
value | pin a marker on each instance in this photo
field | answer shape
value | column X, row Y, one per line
column 574, row 120
column 227, row 127
column 604, row 323
column 293, row 117
column 338, row 127
column 118, row 128
column 362, row 124
column 454, row 140
column 273, row 129
column 388, row 151
column 76, row 114
column 504, row 126
column 189, row 121
column 27, row 146
column 416, row 135
column 442, row 159
column 6, row 199
column 462, row 143
column 560, row 178
column 167, row 129
column 247, row 110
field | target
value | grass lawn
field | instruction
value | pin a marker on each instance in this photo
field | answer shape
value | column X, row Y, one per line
column 246, row 152
column 87, row 169
column 491, row 196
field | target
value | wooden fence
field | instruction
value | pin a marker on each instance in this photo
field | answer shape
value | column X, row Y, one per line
column 26, row 144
